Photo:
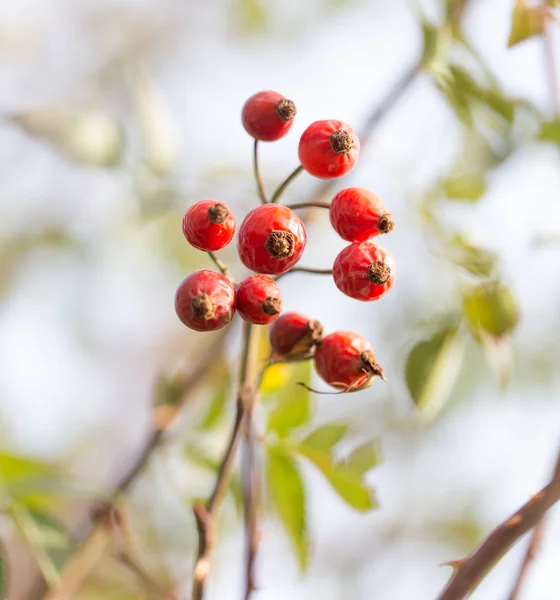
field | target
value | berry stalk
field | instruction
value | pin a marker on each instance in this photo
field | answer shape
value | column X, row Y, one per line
column 280, row 189
column 258, row 177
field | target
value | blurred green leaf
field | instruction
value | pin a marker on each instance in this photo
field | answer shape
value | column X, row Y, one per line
column 249, row 16
column 477, row 261
column 287, row 495
column 89, row 137
column 217, row 406
column 550, row 131
column 465, row 186
column 345, row 481
column 527, row 21
column 364, row 458
column 491, row 309
column 169, row 389
column 432, row 368
column 324, row 438
column 51, row 532
column 293, row 406
column 4, row 570
column 437, row 44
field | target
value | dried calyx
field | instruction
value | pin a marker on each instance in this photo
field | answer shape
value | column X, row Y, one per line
column 341, row 141
column 272, row 306
column 385, row 223
column 203, row 307
column 280, row 244
column 218, row 213
column 379, row 272
column 286, row 109
column 369, row 364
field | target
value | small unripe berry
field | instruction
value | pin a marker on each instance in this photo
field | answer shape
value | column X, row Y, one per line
column 346, row 360
column 357, row 214
column 209, row 225
column 293, row 334
column 271, row 239
column 329, row 149
column 268, row 116
column 364, row 271
column 205, row 301
column 258, row 300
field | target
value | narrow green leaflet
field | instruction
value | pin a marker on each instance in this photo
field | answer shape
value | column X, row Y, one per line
column 527, row 21
column 324, row 438
column 469, row 187
column 349, row 485
column 550, row 132
column 4, row 570
column 437, row 44
column 292, row 407
column 474, row 259
column 432, row 368
column 364, row 458
column 287, row 495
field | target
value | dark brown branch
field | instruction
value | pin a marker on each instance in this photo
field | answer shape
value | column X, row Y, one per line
column 470, row 571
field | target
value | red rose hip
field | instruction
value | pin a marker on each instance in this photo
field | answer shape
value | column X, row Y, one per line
column 364, row 271
column 268, row 116
column 208, row 225
column 271, row 239
column 346, row 360
column 258, row 300
column 205, row 301
column 329, row 149
column 293, row 334
column 357, row 214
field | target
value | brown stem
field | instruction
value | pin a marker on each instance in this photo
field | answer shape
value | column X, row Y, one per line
column 221, row 265
column 305, row 270
column 470, row 571
column 280, row 189
column 206, row 514
column 309, row 205
column 251, row 500
column 258, row 177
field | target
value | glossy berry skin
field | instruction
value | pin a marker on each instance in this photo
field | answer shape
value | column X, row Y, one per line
column 293, row 334
column 346, row 360
column 209, row 225
column 205, row 301
column 268, row 116
column 329, row 149
column 357, row 214
column 364, row 271
column 258, row 300
column 271, row 239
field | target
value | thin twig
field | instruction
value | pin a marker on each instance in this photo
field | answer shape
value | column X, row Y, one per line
column 470, row 571
column 309, row 205
column 152, row 587
column 250, row 504
column 280, row 189
column 221, row 265
column 258, row 177
column 305, row 270
column 207, row 513
column 533, row 545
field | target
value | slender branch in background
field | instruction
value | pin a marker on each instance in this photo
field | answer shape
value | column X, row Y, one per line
column 305, row 270
column 221, row 265
column 93, row 537
column 470, row 571
column 309, row 205
column 258, row 178
column 206, row 514
column 552, row 73
column 153, row 589
column 250, row 504
column 280, row 189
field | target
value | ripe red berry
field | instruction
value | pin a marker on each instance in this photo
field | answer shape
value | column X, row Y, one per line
column 258, row 300
column 268, row 116
column 271, row 239
column 329, row 149
column 346, row 360
column 364, row 271
column 293, row 334
column 209, row 225
column 205, row 301
column 357, row 214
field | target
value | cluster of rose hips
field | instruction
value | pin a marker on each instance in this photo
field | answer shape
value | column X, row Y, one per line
column 271, row 240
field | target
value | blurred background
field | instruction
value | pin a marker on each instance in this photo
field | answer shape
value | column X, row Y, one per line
column 115, row 116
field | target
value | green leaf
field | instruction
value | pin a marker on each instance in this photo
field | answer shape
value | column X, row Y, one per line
column 324, row 438
column 364, row 458
column 550, row 131
column 250, row 16
column 51, row 532
column 287, row 495
column 217, row 406
column 345, row 481
column 465, row 186
column 526, row 22
column 437, row 44
column 169, row 390
column 432, row 368
column 4, row 570
column 477, row 261
column 491, row 309
column 293, row 406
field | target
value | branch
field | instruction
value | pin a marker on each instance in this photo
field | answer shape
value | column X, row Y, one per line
column 309, row 205
column 220, row 264
column 280, row 189
column 206, row 514
column 305, row 270
column 258, row 177
column 470, row 571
